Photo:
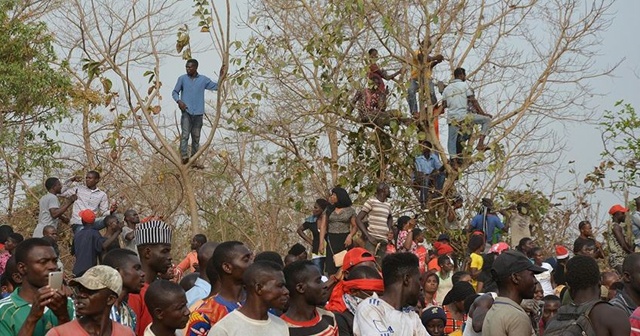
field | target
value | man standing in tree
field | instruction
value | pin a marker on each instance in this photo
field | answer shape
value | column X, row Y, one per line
column 50, row 210
column 189, row 94
column 457, row 96
column 380, row 221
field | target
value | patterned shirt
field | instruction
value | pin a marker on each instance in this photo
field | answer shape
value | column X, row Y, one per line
column 14, row 311
column 212, row 310
column 452, row 324
column 322, row 324
column 123, row 315
column 379, row 213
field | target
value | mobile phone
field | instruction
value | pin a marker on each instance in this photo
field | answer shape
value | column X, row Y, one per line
column 55, row 280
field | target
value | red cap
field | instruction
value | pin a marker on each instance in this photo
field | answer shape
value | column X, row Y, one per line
column 87, row 216
column 498, row 248
column 562, row 252
column 356, row 256
column 617, row 208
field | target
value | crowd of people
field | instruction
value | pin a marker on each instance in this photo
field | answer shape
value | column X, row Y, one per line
column 366, row 274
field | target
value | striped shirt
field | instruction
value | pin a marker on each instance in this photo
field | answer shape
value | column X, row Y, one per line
column 322, row 324
column 14, row 311
column 123, row 315
column 634, row 320
column 379, row 213
column 95, row 200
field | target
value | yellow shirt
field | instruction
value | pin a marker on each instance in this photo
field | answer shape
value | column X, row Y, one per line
column 476, row 262
column 415, row 66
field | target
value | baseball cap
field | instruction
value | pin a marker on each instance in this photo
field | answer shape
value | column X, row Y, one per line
column 512, row 261
column 617, row 208
column 561, row 252
column 356, row 256
column 498, row 248
column 460, row 291
column 87, row 216
column 442, row 248
column 100, row 277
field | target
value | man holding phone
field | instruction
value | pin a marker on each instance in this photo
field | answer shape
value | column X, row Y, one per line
column 34, row 307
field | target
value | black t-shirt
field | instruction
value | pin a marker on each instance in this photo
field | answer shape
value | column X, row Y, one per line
column 313, row 227
column 580, row 240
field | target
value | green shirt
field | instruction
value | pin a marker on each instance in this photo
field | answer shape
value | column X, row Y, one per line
column 14, row 311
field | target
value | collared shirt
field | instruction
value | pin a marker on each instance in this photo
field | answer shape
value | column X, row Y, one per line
column 506, row 318
column 199, row 291
column 14, row 311
column 456, row 94
column 191, row 91
column 95, row 200
column 493, row 221
column 623, row 301
column 428, row 165
column 123, row 315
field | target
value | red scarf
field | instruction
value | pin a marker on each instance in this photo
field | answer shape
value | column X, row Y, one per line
column 336, row 302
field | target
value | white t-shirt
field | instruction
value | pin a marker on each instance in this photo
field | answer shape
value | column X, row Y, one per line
column 455, row 94
column 545, row 279
column 47, row 202
column 237, row 324
column 375, row 317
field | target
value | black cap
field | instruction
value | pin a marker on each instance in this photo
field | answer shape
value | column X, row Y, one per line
column 460, row 291
column 510, row 262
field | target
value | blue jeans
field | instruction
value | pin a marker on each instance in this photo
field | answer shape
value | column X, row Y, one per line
column 455, row 137
column 98, row 225
column 191, row 125
column 431, row 187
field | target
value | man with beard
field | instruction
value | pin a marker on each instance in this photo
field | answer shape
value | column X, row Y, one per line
column 386, row 314
column 153, row 239
column 95, row 293
column 266, row 289
column 515, row 276
column 307, row 291
column 34, row 307
column 127, row 263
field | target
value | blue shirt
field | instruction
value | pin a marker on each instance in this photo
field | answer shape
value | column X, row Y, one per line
column 191, row 91
column 493, row 221
column 428, row 165
column 87, row 245
column 200, row 290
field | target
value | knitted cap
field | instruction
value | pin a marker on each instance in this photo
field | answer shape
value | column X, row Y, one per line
column 152, row 232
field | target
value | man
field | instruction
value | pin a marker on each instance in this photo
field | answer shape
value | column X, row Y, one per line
column 356, row 256
column 34, row 307
column 421, row 68
column 519, row 223
column 127, row 263
column 131, row 219
column 515, row 276
column 307, row 291
column 628, row 299
column 380, row 221
column 586, row 236
column 230, row 259
column 50, row 234
column 635, row 221
column 167, row 305
column 113, row 229
column 95, row 293
column 429, row 173
column 51, row 212
column 619, row 245
column 453, row 306
column 457, row 96
column 486, row 222
column 602, row 319
column 550, row 308
column 266, row 289
column 189, row 94
column 88, row 244
column 385, row 314
column 88, row 197
column 153, row 239
column 190, row 262
column 202, row 286
column 361, row 283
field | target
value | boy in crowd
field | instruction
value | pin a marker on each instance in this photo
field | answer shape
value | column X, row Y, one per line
column 127, row 263
column 167, row 304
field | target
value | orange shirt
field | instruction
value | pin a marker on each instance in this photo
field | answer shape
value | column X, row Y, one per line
column 188, row 261
column 136, row 302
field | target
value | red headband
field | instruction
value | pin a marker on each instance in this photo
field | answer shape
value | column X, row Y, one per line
column 375, row 285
